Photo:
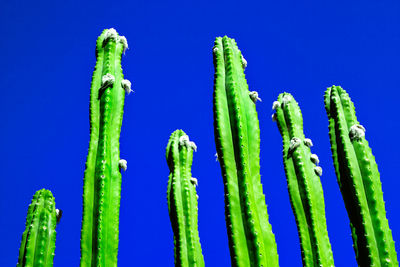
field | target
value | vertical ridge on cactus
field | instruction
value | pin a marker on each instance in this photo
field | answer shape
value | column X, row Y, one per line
column 39, row 238
column 102, row 181
column 359, row 182
column 237, row 137
column 304, row 185
column 182, row 201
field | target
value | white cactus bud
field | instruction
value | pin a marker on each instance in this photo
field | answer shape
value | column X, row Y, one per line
column 123, row 164
column 244, row 62
column 286, row 99
column 356, row 132
column 308, row 142
column 124, row 42
column 294, row 143
column 215, row 50
column 314, row 158
column 194, row 181
column 275, row 105
column 110, row 34
column 193, row 146
column 183, row 140
column 107, row 80
column 254, row 96
column 126, row 85
column 216, row 156
column 318, row 170
column 58, row 215
column 274, row 117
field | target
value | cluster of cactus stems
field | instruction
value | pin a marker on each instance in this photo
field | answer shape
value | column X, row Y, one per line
column 359, row 181
column 102, row 181
column 182, row 201
column 304, row 186
column 237, row 138
column 39, row 238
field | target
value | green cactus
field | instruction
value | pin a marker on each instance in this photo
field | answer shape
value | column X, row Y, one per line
column 39, row 238
column 102, row 182
column 237, row 138
column 359, row 182
column 304, row 185
column 182, row 201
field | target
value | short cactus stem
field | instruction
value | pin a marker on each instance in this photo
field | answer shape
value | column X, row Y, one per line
column 102, row 181
column 304, row 185
column 39, row 238
column 359, row 181
column 182, row 201
column 237, row 138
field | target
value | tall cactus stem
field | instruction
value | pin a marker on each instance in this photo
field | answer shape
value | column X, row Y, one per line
column 182, row 201
column 359, row 182
column 304, row 185
column 237, row 137
column 102, row 181
column 39, row 238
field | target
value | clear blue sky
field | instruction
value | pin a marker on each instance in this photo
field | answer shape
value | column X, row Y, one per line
column 300, row 47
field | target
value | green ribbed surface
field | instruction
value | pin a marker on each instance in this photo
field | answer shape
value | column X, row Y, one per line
column 304, row 185
column 102, row 181
column 39, row 238
column 182, row 202
column 359, row 182
column 237, row 137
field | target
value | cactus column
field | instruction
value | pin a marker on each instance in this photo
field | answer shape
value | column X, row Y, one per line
column 102, row 182
column 237, row 138
column 304, row 185
column 359, row 182
column 39, row 238
column 182, row 201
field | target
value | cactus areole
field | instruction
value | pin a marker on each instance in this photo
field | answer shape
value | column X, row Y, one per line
column 237, row 138
column 102, row 181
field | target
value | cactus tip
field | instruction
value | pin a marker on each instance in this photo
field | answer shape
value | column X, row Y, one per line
column 254, row 96
column 126, row 85
column 184, row 141
column 123, row 164
column 286, row 99
column 275, row 105
column 356, row 132
column 110, row 34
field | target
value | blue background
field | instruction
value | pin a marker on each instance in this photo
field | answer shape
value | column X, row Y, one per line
column 47, row 59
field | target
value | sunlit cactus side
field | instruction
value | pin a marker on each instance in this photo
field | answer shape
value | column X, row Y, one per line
column 359, row 182
column 182, row 201
column 237, row 138
column 102, row 181
column 304, row 185
column 39, row 238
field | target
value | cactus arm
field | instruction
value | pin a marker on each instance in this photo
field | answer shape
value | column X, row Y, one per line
column 360, row 184
column 38, row 240
column 316, row 248
column 102, row 183
column 251, row 240
column 182, row 201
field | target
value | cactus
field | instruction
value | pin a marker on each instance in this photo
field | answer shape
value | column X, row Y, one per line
column 102, row 181
column 39, row 238
column 359, row 182
column 237, row 138
column 182, row 201
column 304, row 185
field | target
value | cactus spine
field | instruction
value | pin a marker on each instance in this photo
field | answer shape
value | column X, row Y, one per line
column 39, row 238
column 237, row 137
column 182, row 201
column 102, row 182
column 359, row 182
column 304, row 185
